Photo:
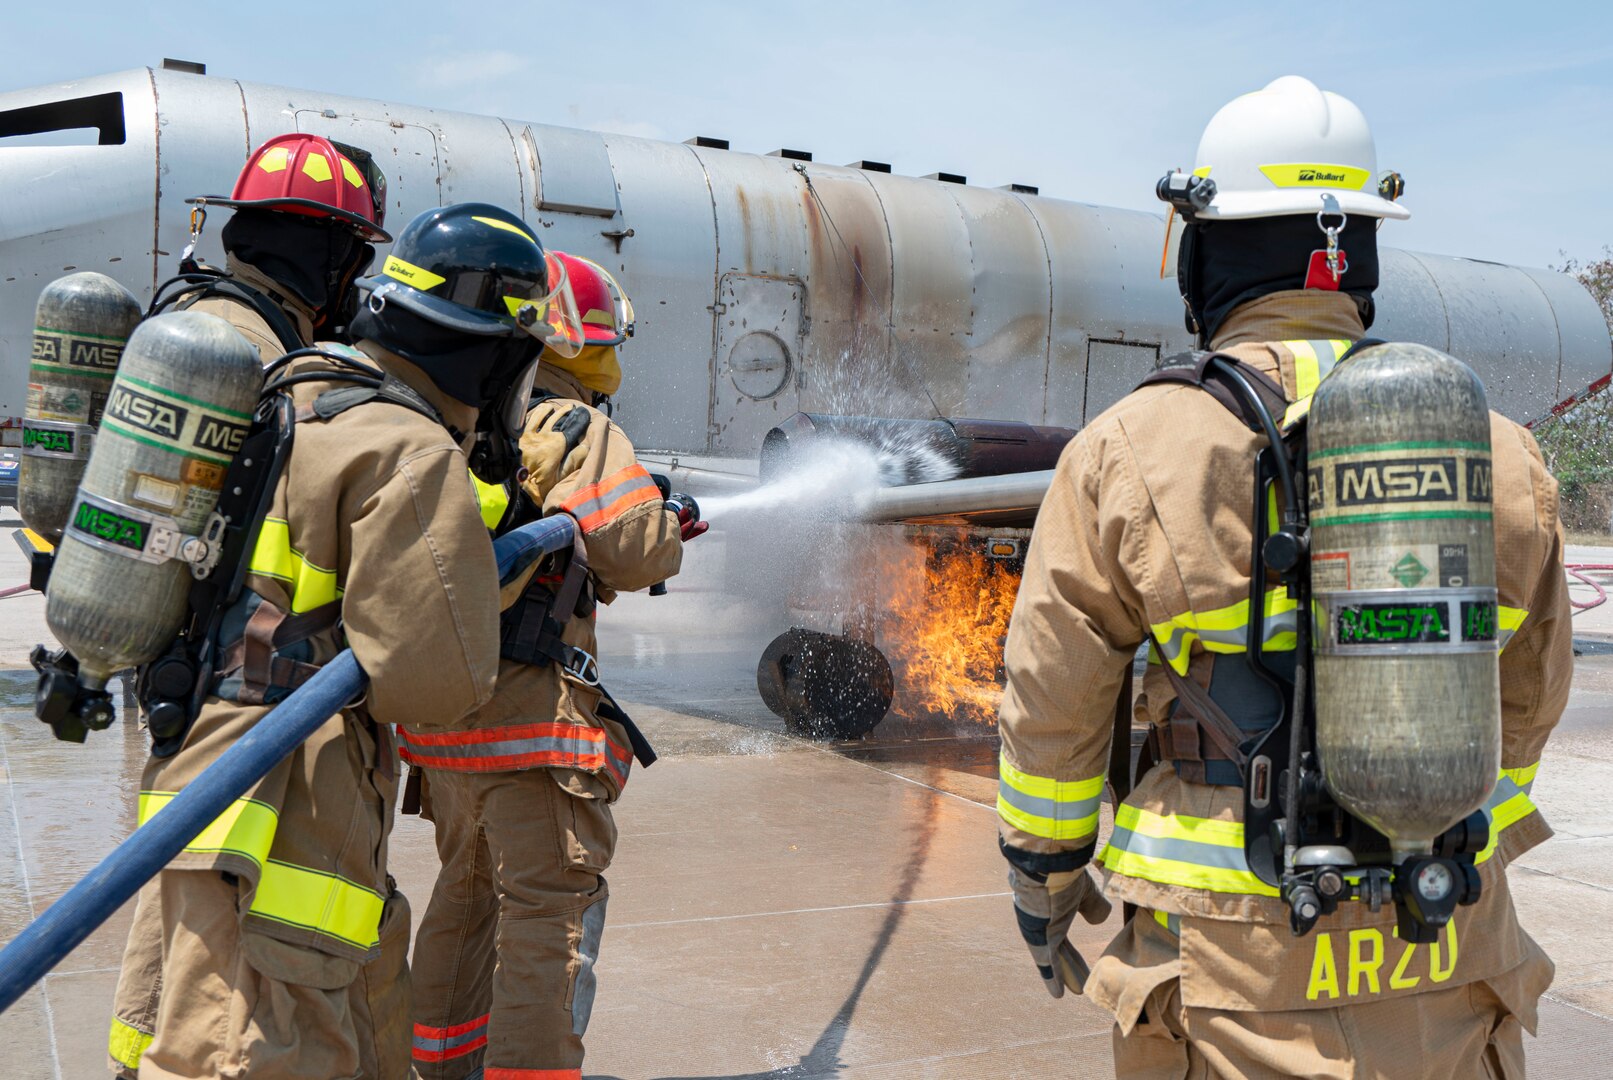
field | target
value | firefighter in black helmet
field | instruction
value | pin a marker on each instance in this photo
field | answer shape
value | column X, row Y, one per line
column 373, row 541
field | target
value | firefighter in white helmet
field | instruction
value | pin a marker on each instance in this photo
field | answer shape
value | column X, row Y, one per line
column 1144, row 539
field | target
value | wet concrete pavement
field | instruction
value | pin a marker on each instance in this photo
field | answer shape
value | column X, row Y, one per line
column 779, row 908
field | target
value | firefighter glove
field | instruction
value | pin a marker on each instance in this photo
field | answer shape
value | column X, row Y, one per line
column 544, row 453
column 1045, row 908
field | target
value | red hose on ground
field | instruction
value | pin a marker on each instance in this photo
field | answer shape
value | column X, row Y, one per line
column 15, row 590
column 1580, row 572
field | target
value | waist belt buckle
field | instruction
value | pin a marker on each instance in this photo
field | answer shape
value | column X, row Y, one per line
column 581, row 666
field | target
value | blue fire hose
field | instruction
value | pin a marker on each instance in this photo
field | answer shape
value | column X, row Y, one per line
column 66, row 923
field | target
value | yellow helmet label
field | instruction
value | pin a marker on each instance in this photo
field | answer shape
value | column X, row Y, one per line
column 410, row 274
column 1312, row 175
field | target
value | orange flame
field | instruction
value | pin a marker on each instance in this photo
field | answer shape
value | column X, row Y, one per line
column 947, row 610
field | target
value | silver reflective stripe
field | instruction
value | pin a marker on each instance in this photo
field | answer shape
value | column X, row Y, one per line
column 452, row 1042
column 582, row 1002
column 572, row 748
column 1283, row 622
column 1184, row 851
column 1504, row 790
column 1051, row 809
column 592, row 506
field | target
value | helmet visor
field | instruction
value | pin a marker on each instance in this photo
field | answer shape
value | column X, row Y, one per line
column 557, row 323
column 374, row 178
column 621, row 309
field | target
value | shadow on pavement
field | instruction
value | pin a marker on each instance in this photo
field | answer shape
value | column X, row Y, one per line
column 822, row 1062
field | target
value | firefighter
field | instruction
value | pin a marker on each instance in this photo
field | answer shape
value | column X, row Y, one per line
column 1143, row 538
column 306, row 214
column 284, row 939
column 521, row 793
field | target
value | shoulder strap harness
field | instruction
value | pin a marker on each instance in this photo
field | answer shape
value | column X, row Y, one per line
column 206, row 281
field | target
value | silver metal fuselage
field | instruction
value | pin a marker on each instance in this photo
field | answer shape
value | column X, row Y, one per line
column 763, row 286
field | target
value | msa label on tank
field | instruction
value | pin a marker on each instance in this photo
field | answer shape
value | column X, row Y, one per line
column 1399, row 566
column 75, row 354
column 172, row 422
column 1406, row 621
column 47, row 439
column 111, row 528
column 125, row 530
column 1400, row 481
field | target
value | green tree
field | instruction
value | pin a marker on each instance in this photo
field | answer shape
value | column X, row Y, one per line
column 1578, row 445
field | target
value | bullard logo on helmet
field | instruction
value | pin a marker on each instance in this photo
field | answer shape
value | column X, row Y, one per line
column 1321, row 176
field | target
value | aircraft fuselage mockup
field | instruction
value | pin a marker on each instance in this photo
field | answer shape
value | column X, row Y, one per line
column 764, row 284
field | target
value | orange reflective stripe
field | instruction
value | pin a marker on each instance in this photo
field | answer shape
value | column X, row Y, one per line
column 444, row 1044
column 517, row 746
column 605, row 501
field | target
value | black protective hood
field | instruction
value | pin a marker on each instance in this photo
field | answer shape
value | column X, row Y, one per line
column 1222, row 264
column 312, row 259
column 468, row 368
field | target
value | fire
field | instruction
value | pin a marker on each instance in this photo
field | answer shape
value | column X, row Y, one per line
column 947, row 609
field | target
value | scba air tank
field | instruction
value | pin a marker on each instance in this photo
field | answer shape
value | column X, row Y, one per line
column 80, row 326
column 177, row 413
column 1408, row 701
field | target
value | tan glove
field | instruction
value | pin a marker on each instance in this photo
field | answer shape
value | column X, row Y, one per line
column 544, row 453
column 1045, row 908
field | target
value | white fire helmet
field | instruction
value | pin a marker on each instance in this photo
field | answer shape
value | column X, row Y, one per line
column 1278, row 150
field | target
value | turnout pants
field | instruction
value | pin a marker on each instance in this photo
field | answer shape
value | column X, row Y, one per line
column 199, row 996
column 1467, row 1032
column 503, row 968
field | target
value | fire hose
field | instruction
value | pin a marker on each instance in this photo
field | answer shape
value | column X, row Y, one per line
column 47, row 940
column 1581, row 572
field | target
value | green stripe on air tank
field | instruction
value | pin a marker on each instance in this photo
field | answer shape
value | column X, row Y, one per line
column 78, row 333
column 64, row 369
column 1370, row 448
column 165, row 392
column 110, row 421
column 1412, row 515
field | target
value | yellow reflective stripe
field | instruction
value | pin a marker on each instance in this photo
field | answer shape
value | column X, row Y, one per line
column 274, row 557
column 1296, row 412
column 1524, row 777
column 1042, row 806
column 1297, row 174
column 491, row 499
column 127, row 1044
column 324, row 903
column 286, row 893
column 1508, row 620
column 1312, row 362
column 1307, row 367
column 1224, row 630
column 505, row 225
column 245, row 828
column 1507, row 813
column 1176, row 849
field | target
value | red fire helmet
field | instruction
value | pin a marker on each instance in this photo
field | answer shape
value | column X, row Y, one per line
column 607, row 314
column 307, row 174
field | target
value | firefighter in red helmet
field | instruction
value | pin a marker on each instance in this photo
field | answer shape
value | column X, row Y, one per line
column 521, row 797
column 305, row 214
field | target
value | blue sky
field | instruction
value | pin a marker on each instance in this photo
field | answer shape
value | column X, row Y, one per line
column 1499, row 115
